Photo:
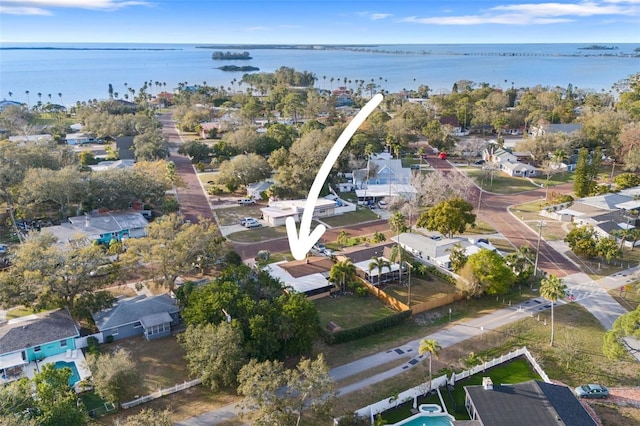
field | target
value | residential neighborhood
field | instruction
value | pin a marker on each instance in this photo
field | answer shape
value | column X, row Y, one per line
column 467, row 269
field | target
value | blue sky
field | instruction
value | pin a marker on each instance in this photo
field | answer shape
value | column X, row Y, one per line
column 327, row 21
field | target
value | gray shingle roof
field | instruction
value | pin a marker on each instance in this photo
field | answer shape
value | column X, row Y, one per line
column 36, row 330
column 130, row 310
column 531, row 403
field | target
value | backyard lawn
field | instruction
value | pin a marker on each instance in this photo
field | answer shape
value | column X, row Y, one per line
column 350, row 311
column 515, row 371
column 232, row 215
column 352, row 218
column 160, row 364
column 421, row 289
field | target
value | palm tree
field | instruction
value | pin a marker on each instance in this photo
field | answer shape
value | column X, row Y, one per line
column 433, row 348
column 552, row 289
column 10, row 95
column 378, row 263
column 26, row 92
column 342, row 272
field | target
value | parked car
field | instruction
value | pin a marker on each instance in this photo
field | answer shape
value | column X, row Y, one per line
column 592, row 391
column 382, row 204
column 319, row 247
column 244, row 220
column 415, row 167
column 246, row 201
column 252, row 224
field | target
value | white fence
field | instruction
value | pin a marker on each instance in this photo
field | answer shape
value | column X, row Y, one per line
column 81, row 342
column 161, row 393
column 497, row 361
column 412, row 394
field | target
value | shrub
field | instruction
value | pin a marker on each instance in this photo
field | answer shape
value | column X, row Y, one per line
column 364, row 330
column 92, row 345
column 109, row 339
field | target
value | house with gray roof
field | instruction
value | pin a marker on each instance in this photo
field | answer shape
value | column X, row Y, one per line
column 35, row 337
column 101, row 228
column 531, row 403
column 152, row 317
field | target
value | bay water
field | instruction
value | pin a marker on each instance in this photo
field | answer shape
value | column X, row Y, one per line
column 80, row 72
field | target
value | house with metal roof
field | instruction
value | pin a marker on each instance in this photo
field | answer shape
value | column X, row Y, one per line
column 152, row 317
column 101, row 228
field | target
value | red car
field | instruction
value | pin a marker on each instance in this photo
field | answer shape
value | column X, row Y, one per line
column 442, row 155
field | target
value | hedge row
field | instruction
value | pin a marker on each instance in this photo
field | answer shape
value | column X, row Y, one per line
column 438, row 273
column 351, row 334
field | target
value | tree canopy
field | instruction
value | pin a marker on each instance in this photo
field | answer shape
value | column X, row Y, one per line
column 448, row 217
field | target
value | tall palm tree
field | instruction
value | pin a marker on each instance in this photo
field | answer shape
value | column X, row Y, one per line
column 552, row 289
column 10, row 95
column 26, row 92
column 433, row 348
column 378, row 263
column 342, row 272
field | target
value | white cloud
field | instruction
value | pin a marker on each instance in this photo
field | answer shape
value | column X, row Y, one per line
column 42, row 7
column 536, row 13
column 21, row 10
column 374, row 16
column 379, row 16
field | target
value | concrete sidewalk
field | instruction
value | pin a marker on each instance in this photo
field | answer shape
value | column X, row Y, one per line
column 446, row 337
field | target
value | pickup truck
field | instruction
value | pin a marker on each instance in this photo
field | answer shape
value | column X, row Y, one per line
column 246, row 201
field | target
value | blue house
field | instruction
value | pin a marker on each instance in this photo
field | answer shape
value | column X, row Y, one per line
column 152, row 317
column 35, row 337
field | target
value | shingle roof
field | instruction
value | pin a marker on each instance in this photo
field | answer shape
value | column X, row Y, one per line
column 130, row 310
column 36, row 330
column 530, row 403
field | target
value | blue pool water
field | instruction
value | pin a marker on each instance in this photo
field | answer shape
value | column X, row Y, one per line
column 75, row 377
column 426, row 420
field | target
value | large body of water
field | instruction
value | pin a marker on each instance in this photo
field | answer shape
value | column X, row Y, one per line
column 85, row 71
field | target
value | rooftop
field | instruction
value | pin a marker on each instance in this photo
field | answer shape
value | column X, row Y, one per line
column 37, row 329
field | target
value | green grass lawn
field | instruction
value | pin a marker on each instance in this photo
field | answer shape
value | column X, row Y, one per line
column 350, row 311
column 20, row 311
column 232, row 215
column 500, row 184
column 515, row 371
column 258, row 234
column 351, row 218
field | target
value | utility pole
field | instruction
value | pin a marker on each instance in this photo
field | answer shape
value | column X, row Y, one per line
column 535, row 269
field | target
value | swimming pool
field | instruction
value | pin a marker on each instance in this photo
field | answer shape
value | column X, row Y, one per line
column 429, row 415
column 75, row 377
column 426, row 420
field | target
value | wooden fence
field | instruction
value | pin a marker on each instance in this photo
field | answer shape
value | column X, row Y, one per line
column 161, row 393
column 436, row 301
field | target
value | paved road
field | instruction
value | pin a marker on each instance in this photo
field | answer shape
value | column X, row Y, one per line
column 590, row 294
column 494, row 209
column 194, row 204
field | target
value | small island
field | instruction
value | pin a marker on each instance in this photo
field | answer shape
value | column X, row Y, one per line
column 237, row 68
column 598, row 47
column 219, row 55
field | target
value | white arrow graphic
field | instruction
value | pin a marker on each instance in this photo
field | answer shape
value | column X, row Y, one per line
column 301, row 246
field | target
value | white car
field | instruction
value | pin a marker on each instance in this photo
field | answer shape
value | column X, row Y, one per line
column 382, row 204
column 246, row 202
column 252, row 223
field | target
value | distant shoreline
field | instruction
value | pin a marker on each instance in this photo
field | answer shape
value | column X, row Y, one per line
column 89, row 48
